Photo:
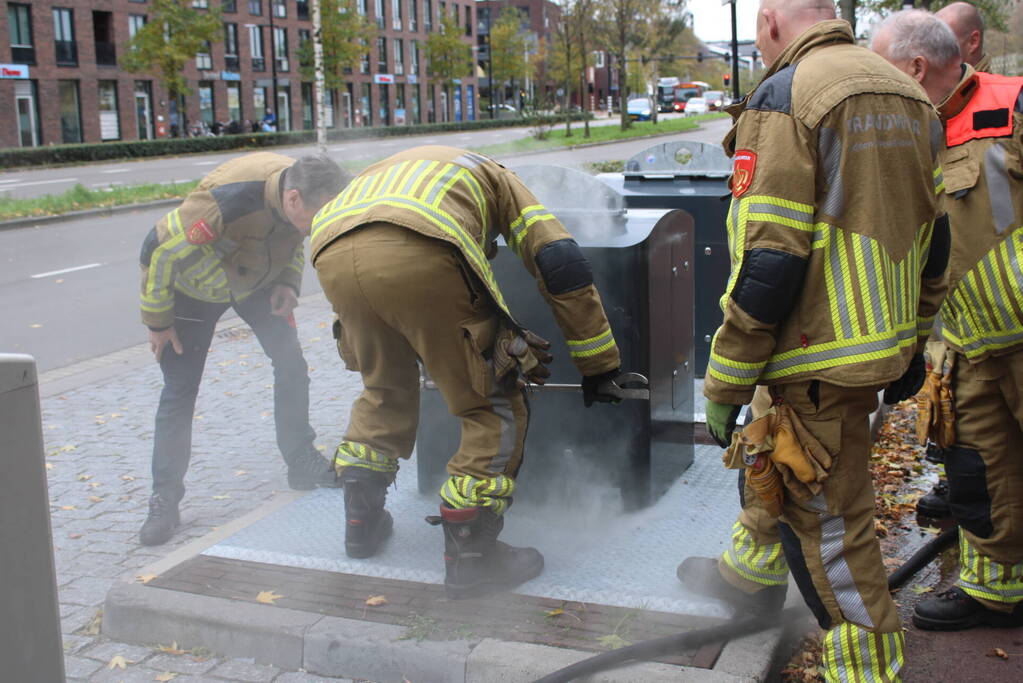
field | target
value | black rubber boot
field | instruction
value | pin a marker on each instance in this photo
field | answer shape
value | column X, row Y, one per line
column 701, row 575
column 163, row 519
column 475, row 562
column 954, row 610
column 311, row 470
column 367, row 523
column 935, row 504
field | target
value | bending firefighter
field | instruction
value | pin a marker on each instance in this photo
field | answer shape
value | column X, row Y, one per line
column 838, row 268
column 981, row 325
column 235, row 242
column 403, row 256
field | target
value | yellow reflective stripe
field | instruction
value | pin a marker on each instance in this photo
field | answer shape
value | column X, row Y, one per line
column 988, row 293
column 939, row 180
column 520, row 226
column 481, row 203
column 584, row 348
column 464, row 491
column 738, row 214
column 401, row 175
column 860, row 264
column 791, row 214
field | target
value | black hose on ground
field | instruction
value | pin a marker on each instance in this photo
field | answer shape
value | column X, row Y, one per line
column 649, row 649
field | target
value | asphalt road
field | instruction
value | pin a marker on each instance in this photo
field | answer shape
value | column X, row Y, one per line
column 69, row 290
column 36, row 182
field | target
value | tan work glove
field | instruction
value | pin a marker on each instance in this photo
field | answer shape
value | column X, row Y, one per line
column 520, row 357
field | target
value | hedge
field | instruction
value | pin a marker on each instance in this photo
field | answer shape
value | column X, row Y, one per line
column 13, row 157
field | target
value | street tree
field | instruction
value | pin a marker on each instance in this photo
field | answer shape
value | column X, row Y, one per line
column 584, row 22
column 507, row 49
column 345, row 33
column 565, row 63
column 449, row 56
column 174, row 34
column 621, row 26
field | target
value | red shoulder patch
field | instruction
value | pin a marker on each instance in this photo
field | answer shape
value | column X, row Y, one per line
column 200, row 233
column 743, row 167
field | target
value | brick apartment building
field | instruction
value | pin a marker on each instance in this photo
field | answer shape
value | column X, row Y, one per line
column 59, row 73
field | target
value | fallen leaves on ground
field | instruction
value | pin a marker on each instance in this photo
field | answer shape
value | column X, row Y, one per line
column 241, row 473
column 95, row 499
column 804, row 667
column 613, row 641
column 50, row 465
column 223, row 497
column 84, row 477
column 554, row 612
column 146, row 578
column 118, row 662
column 268, row 597
column 73, row 536
column 165, row 676
column 127, row 477
column 376, row 600
column 172, row 649
column 998, row 652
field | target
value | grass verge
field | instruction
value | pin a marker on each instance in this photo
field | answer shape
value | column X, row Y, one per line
column 79, row 198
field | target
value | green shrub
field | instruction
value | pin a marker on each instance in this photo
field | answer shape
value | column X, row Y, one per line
column 14, row 157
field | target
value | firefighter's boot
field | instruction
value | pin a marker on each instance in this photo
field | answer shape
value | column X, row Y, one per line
column 935, row 504
column 163, row 519
column 701, row 575
column 475, row 562
column 367, row 523
column 954, row 610
column 310, row 470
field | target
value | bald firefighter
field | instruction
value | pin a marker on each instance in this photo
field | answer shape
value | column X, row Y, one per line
column 981, row 324
column 403, row 255
column 837, row 273
column 235, row 242
column 967, row 24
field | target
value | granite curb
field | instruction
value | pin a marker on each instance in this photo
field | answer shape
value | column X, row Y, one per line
column 35, row 221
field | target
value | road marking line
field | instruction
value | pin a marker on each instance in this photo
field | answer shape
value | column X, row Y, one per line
column 206, row 163
column 11, row 180
column 66, row 270
column 116, row 170
column 42, row 182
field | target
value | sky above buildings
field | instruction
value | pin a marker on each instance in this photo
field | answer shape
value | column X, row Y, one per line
column 712, row 21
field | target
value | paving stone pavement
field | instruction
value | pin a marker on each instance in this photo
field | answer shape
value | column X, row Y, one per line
column 98, row 439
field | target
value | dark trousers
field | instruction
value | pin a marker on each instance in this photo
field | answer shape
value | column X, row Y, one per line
column 194, row 322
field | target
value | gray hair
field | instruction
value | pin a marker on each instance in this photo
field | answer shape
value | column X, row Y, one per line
column 316, row 177
column 917, row 32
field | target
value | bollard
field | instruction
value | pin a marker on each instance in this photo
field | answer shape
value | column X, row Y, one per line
column 31, row 648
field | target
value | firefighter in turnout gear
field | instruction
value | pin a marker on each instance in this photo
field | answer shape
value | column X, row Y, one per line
column 981, row 324
column 235, row 242
column 838, row 268
column 403, row 256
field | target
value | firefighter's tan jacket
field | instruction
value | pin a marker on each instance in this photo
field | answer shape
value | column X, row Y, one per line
column 470, row 200
column 227, row 239
column 983, row 314
column 835, row 183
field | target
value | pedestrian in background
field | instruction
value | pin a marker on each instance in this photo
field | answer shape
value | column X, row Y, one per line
column 236, row 241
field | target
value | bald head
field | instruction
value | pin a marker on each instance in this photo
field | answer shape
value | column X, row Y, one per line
column 924, row 47
column 968, row 26
column 779, row 22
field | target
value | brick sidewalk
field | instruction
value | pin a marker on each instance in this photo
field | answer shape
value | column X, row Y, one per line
column 98, row 425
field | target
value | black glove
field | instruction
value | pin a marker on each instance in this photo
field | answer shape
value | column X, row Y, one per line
column 591, row 388
column 909, row 384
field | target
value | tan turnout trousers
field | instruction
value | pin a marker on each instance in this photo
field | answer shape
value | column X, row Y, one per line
column 401, row 296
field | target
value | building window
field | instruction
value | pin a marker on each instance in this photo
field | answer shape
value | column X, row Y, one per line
column 229, row 6
column 281, row 48
column 103, row 38
column 304, row 36
column 234, row 104
column 302, row 10
column 428, row 15
column 364, row 106
column 256, row 47
column 381, row 55
column 414, row 66
column 399, row 106
column 70, row 112
column 399, row 56
column 396, row 22
column 201, row 4
column 598, row 61
column 231, row 61
column 109, row 120
column 468, row 20
column 204, row 58
column 259, row 106
column 19, row 19
column 307, row 106
column 413, row 15
column 379, row 9
column 364, row 7
column 206, row 102
column 364, row 62
column 280, row 8
column 64, row 36
column 26, row 106
column 256, row 7
column 384, row 93
column 416, row 114
column 135, row 24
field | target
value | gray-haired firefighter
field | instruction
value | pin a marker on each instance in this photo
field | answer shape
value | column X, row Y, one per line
column 235, row 242
column 981, row 324
column 838, row 268
column 402, row 255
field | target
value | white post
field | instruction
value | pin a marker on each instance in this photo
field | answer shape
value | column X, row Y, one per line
column 318, row 88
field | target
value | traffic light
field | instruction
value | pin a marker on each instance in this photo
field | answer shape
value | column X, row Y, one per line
column 728, row 79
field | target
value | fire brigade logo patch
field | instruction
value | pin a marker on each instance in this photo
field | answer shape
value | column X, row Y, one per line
column 200, row 233
column 745, row 164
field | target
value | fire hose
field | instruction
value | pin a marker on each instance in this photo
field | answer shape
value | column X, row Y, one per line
column 649, row 649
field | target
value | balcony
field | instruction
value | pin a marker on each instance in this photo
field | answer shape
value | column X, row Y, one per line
column 232, row 63
column 258, row 64
column 67, row 52
column 23, row 55
column 106, row 54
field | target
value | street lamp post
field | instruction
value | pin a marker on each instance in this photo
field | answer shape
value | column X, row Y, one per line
column 273, row 66
column 490, row 65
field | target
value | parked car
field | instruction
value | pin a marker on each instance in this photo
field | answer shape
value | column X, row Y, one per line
column 715, row 100
column 640, row 109
column 696, row 105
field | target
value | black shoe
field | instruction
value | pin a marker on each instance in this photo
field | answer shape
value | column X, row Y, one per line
column 954, row 610
column 475, row 562
column 935, row 504
column 163, row 519
column 701, row 575
column 311, row 470
column 934, row 454
column 367, row 523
